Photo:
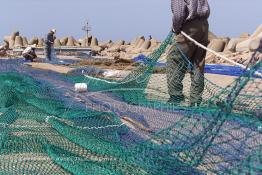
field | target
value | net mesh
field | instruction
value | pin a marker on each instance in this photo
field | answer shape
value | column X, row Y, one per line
column 127, row 126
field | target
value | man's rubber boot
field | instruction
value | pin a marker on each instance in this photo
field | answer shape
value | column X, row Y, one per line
column 176, row 99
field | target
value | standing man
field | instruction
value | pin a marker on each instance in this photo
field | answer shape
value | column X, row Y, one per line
column 49, row 43
column 189, row 16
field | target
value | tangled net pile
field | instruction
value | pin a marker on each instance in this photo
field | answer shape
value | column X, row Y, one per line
column 41, row 134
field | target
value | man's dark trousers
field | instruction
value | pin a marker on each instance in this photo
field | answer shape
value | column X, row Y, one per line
column 48, row 51
column 177, row 66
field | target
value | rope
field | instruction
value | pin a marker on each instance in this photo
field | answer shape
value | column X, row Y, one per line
column 106, row 81
column 84, row 128
column 212, row 51
column 99, row 79
column 217, row 54
column 5, row 125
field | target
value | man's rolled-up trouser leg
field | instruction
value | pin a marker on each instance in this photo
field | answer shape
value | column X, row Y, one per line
column 197, row 76
column 197, row 84
column 176, row 69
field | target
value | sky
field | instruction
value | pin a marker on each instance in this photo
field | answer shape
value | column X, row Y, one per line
column 119, row 19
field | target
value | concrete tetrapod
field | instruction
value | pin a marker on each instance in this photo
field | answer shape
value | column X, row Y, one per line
column 154, row 45
column 257, row 32
column 40, row 42
column 244, row 45
column 25, row 42
column 11, row 43
column 34, row 40
column 6, row 44
column 70, row 42
column 83, row 42
column 255, row 45
column 18, row 42
column 233, row 43
column 116, row 46
column 94, row 42
column 211, row 36
column 145, row 46
column 14, row 35
column 63, row 41
column 57, row 43
column 97, row 49
column 11, row 39
column 217, row 45
column 105, row 44
column 226, row 40
column 134, row 43
column 7, row 40
column 136, row 49
column 124, row 47
column 76, row 43
column 140, row 43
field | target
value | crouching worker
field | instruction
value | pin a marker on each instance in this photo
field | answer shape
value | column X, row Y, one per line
column 29, row 53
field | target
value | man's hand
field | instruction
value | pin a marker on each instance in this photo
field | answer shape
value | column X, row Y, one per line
column 175, row 32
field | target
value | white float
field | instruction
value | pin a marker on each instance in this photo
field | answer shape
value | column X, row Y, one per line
column 81, row 87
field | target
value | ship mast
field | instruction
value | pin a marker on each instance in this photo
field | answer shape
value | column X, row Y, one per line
column 86, row 28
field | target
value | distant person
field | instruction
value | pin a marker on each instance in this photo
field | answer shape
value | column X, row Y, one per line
column 191, row 17
column 49, row 42
column 29, row 53
column 149, row 37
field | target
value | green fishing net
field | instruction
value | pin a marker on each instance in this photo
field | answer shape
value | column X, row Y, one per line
column 43, row 132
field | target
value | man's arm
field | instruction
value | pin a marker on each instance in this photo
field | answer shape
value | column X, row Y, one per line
column 178, row 8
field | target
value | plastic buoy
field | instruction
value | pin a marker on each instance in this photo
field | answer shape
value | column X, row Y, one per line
column 81, row 87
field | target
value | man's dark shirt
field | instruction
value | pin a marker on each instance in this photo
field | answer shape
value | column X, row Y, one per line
column 186, row 10
column 50, row 38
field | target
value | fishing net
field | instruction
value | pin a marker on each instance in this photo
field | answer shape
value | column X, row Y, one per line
column 143, row 86
column 127, row 126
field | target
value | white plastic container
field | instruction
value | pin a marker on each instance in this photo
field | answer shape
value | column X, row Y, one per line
column 81, row 87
